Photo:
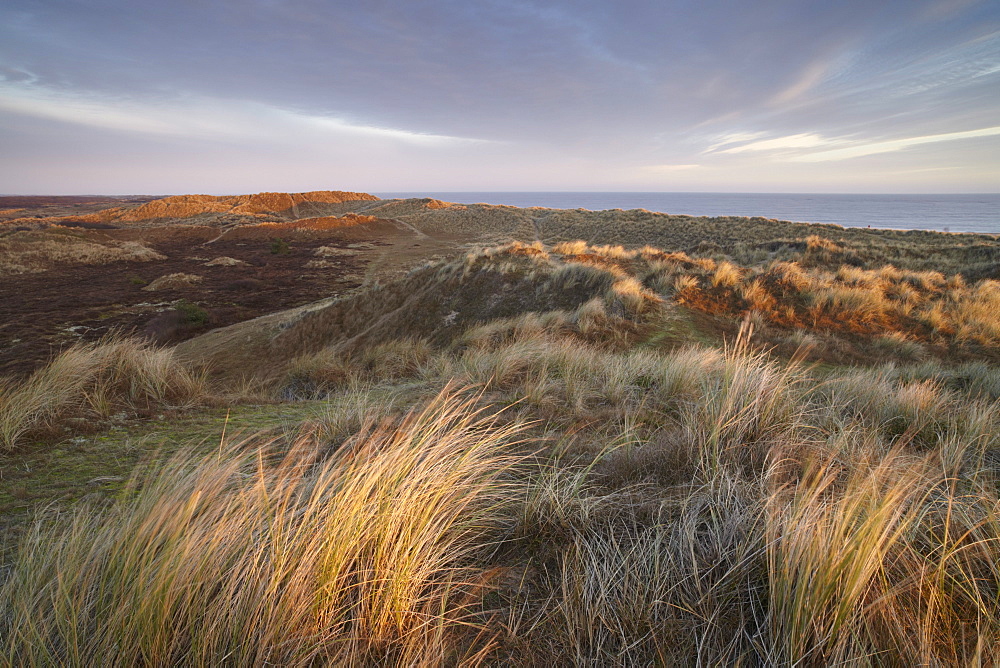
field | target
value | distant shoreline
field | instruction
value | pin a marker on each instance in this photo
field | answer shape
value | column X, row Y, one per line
column 959, row 213
column 975, row 213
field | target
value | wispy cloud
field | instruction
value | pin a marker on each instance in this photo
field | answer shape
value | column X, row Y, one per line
column 196, row 117
column 671, row 168
column 798, row 141
column 810, row 77
column 733, row 138
column 873, row 148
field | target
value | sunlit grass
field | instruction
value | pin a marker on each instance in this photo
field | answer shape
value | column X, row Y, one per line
column 264, row 555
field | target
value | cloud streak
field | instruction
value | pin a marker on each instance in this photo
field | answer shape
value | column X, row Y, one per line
column 197, row 118
column 797, row 141
column 672, row 168
column 875, row 148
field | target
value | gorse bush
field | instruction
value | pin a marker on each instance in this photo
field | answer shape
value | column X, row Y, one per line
column 192, row 314
column 280, row 247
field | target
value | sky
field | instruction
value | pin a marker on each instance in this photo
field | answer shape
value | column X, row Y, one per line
column 236, row 96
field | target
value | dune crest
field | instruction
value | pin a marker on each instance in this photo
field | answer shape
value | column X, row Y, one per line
column 187, row 206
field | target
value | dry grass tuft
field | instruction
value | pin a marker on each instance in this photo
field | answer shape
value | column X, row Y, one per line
column 334, row 368
column 224, row 261
column 95, row 381
column 173, row 282
column 265, row 556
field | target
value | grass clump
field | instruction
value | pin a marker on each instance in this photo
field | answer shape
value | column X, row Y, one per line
column 275, row 554
column 95, row 380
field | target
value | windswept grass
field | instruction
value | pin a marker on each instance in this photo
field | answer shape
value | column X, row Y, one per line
column 268, row 554
column 704, row 505
column 886, row 561
column 95, row 380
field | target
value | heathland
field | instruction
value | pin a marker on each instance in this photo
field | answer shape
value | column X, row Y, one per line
column 324, row 428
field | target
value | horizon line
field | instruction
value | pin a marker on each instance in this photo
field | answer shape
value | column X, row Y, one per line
column 519, row 192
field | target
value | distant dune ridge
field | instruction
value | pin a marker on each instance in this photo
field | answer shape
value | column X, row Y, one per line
column 192, row 206
column 186, row 206
column 271, row 214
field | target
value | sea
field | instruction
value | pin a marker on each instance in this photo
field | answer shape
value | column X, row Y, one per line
column 944, row 213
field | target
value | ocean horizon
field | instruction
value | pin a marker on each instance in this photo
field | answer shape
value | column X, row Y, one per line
column 979, row 213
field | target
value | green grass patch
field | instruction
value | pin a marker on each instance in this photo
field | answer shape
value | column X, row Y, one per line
column 96, row 467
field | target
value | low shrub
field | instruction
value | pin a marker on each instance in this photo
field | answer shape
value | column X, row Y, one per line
column 183, row 320
column 279, row 247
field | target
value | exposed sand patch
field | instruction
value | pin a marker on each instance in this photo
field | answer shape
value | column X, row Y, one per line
column 224, row 261
column 329, row 251
column 173, row 282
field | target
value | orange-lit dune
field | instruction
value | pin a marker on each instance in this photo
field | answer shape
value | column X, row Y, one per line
column 186, row 206
column 178, row 207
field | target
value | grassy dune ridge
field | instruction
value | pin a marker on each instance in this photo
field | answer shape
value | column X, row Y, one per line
column 746, row 241
column 566, row 453
column 843, row 314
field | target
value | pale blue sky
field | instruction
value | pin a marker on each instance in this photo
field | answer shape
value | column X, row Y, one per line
column 101, row 96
